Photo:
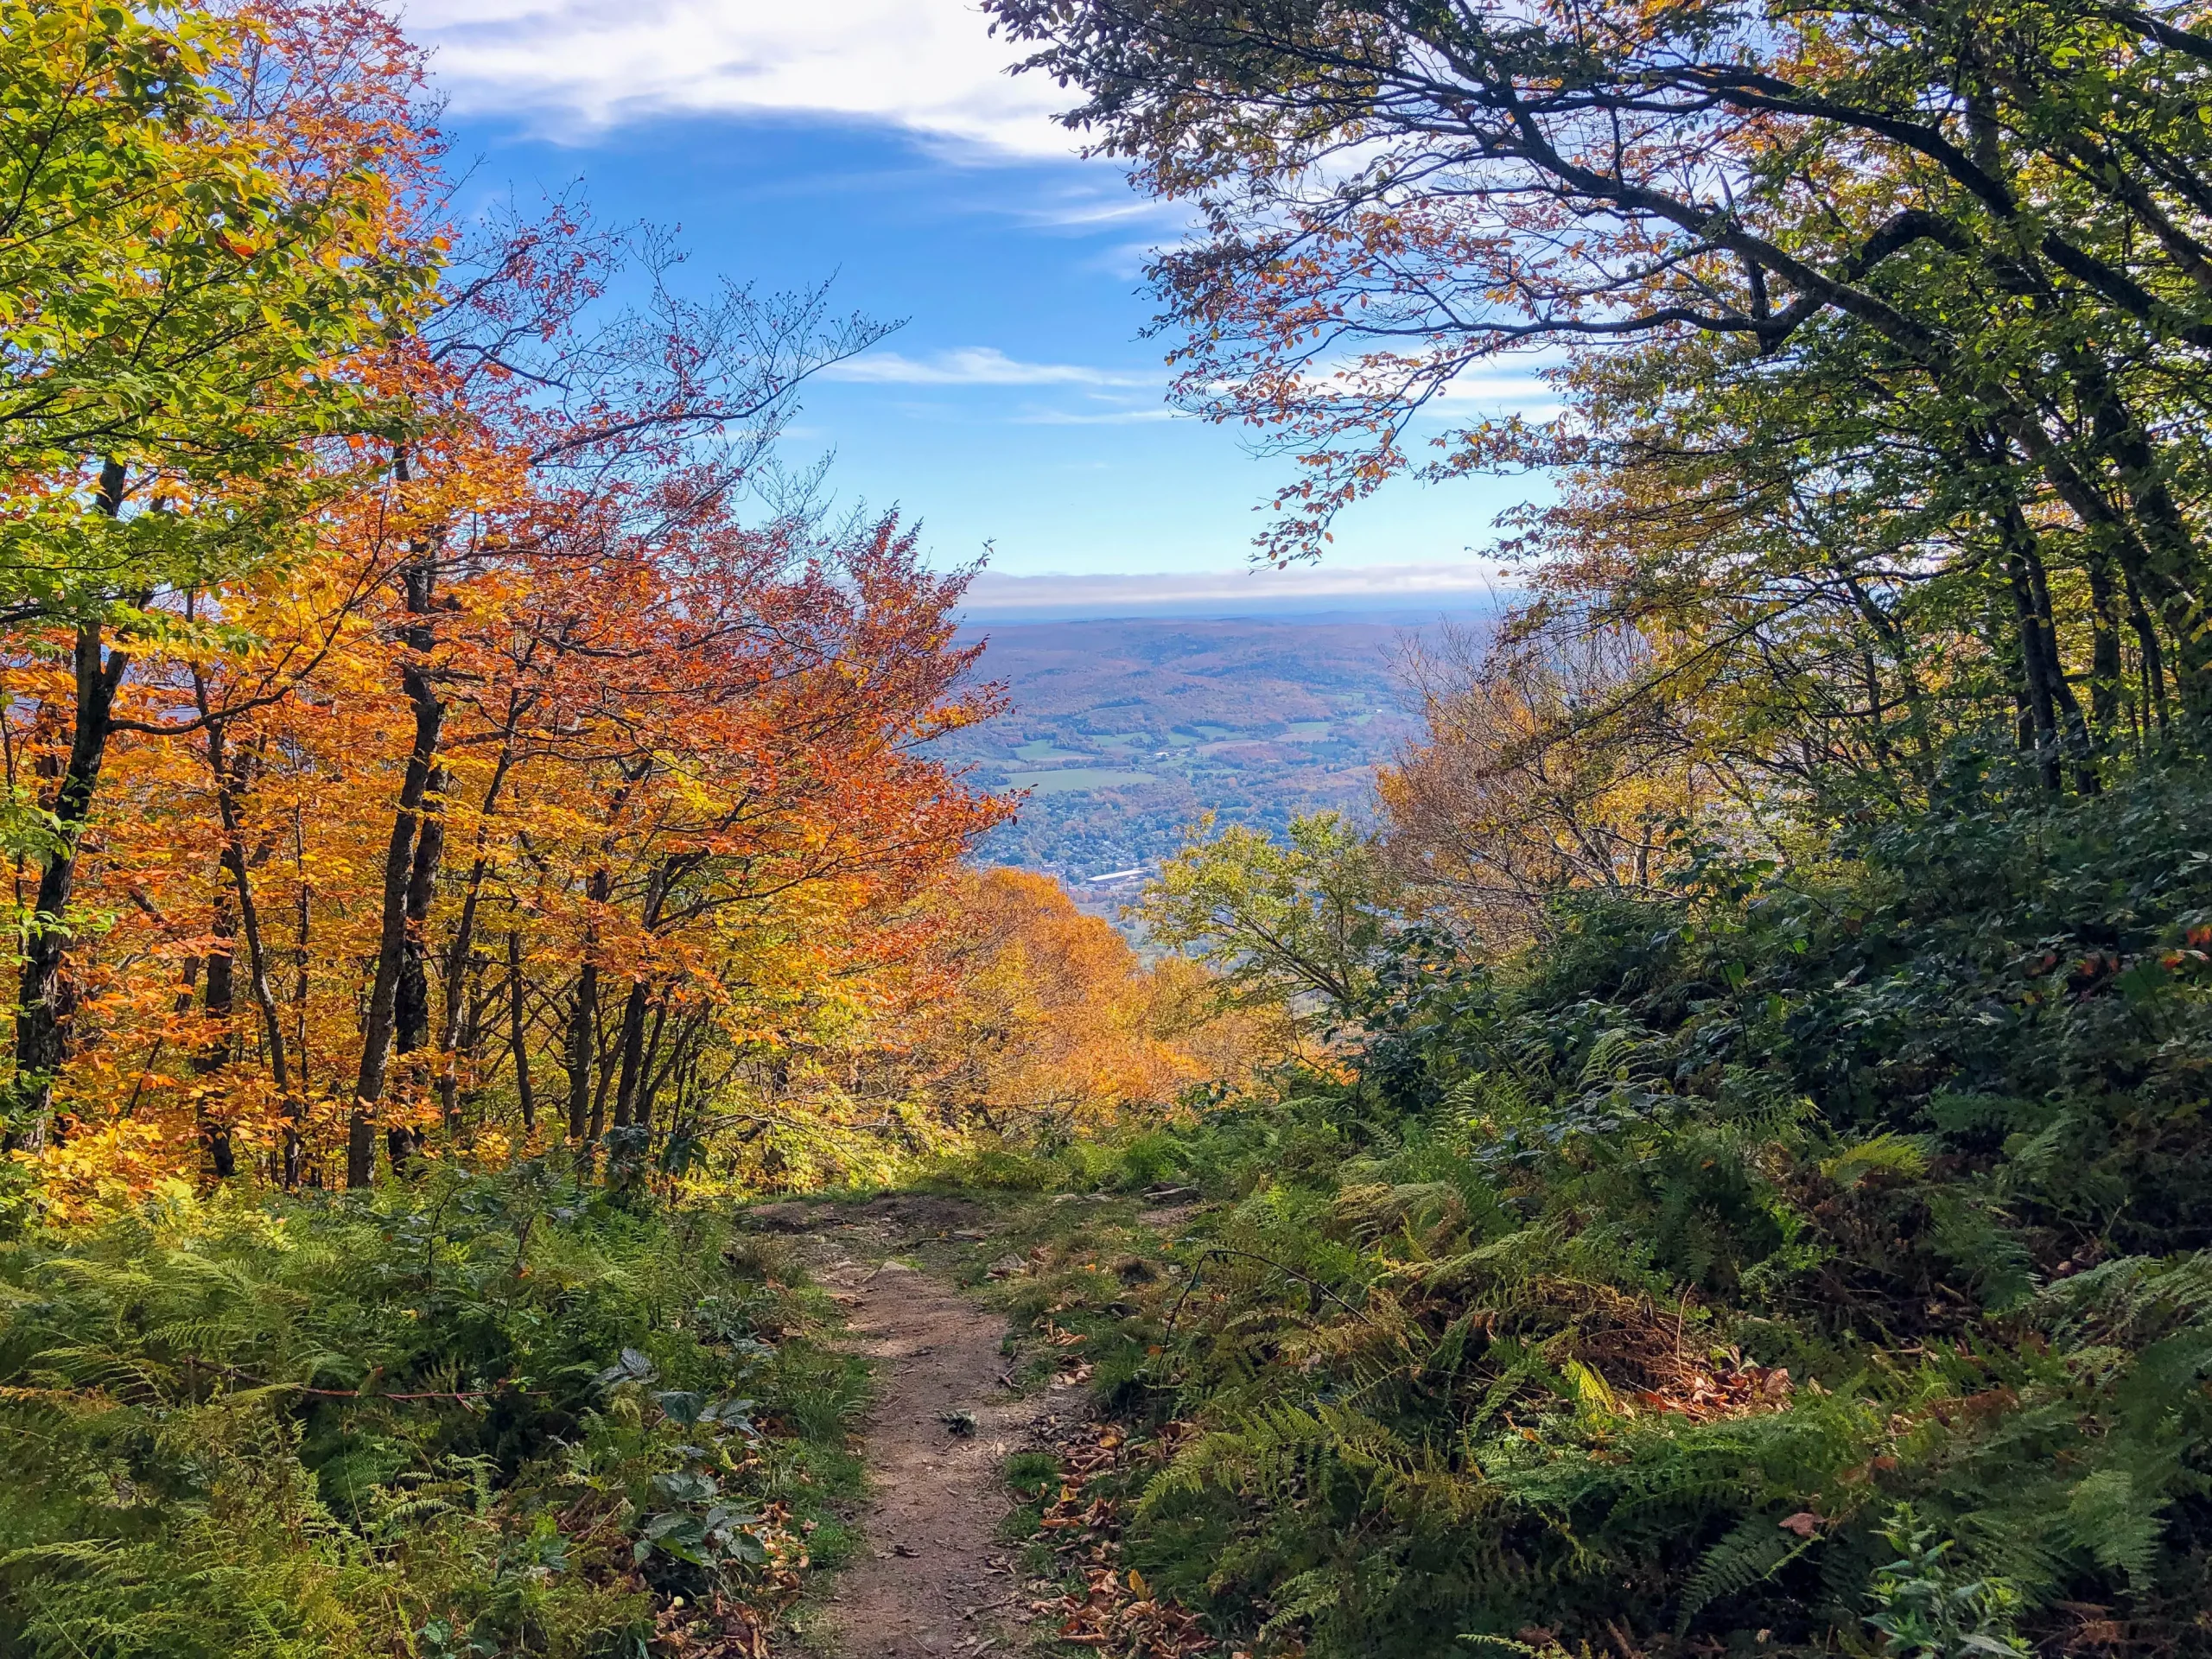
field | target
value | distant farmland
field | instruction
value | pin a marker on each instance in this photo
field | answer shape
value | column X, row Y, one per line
column 1123, row 732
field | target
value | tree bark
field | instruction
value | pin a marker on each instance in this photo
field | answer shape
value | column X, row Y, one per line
column 519, row 1028
column 42, row 994
column 400, row 868
column 231, row 784
column 2162, row 561
column 583, row 1032
column 2035, row 664
column 2081, row 747
column 451, row 982
column 633, row 1044
column 2154, row 659
column 212, row 1057
column 295, row 1148
column 411, row 1002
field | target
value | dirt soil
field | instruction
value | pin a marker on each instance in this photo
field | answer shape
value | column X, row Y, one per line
column 933, row 1579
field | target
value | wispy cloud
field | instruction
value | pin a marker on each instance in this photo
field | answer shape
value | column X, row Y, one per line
column 929, row 66
column 1104, row 417
column 978, row 366
column 1469, row 586
column 1514, row 389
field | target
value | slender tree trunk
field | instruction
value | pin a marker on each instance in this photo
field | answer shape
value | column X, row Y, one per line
column 230, row 769
column 399, row 869
column 2036, row 666
column 605, row 1074
column 583, row 1019
column 2105, row 668
column 2079, row 746
column 295, row 1122
column 2161, row 559
column 264, row 997
column 679, row 1050
column 411, row 1003
column 582, row 1034
column 42, row 992
column 211, row 1057
column 587, row 1111
column 647, row 1081
column 632, row 1053
column 519, row 1028
column 2153, row 658
column 458, row 953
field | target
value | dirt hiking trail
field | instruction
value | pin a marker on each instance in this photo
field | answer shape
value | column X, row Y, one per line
column 932, row 1579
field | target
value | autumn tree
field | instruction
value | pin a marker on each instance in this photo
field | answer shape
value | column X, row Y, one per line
column 1051, row 1020
column 1539, row 773
column 560, row 423
column 190, row 271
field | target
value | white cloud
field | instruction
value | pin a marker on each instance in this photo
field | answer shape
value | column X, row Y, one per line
column 930, row 66
column 976, row 365
column 1466, row 586
column 1112, row 417
column 1500, row 394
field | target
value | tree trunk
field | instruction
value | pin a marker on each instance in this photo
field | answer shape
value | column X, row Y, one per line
column 2161, row 560
column 455, row 972
column 2035, row 669
column 411, row 1002
column 2105, row 672
column 42, row 992
column 633, row 1048
column 519, row 1025
column 211, row 1058
column 672, row 1063
column 400, row 869
column 231, row 783
column 2079, row 746
column 295, row 1149
column 583, row 1032
column 648, row 1082
column 2154, row 659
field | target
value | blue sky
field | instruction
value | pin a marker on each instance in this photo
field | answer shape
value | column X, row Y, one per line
column 878, row 140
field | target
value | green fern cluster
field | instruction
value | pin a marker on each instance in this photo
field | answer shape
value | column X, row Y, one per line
column 1629, row 1293
column 478, row 1415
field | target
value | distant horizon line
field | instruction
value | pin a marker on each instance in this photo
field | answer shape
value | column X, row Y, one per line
column 1308, row 592
column 1377, row 613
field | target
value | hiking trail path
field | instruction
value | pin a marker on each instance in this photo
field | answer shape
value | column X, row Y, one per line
column 932, row 1579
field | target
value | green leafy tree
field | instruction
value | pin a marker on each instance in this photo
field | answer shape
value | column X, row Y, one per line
column 1885, row 332
column 1301, row 919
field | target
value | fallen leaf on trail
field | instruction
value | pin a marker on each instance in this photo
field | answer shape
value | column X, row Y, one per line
column 1116, row 1611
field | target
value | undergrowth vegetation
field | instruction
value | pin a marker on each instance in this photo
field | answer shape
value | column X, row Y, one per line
column 1800, row 1261
column 475, row 1415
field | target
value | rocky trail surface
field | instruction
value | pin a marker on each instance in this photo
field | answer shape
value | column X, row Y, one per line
column 933, row 1579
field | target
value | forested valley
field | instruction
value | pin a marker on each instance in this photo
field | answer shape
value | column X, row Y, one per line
column 1717, row 1164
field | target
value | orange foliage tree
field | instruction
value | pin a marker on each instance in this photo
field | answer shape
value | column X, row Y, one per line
column 1050, row 1018
column 455, row 766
